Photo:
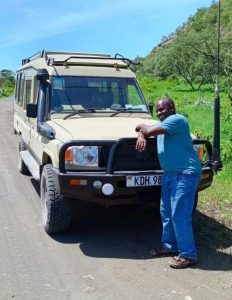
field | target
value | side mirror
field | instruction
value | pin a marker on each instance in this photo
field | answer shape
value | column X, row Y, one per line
column 32, row 110
column 151, row 107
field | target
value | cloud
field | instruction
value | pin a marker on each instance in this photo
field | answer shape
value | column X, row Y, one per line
column 35, row 25
column 30, row 21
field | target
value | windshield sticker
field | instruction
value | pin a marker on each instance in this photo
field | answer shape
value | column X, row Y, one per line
column 140, row 107
column 58, row 83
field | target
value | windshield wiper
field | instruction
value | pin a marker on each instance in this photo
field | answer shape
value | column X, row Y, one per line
column 78, row 112
column 129, row 110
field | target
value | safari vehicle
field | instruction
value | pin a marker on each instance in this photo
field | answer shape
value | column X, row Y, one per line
column 75, row 115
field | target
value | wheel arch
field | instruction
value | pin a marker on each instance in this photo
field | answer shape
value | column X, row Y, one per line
column 47, row 158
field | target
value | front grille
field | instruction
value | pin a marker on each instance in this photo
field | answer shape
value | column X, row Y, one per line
column 127, row 158
column 116, row 156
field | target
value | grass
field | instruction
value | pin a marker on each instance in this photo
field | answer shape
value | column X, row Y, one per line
column 198, row 107
column 216, row 200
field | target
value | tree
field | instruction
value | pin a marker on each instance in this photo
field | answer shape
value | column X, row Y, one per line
column 7, row 77
column 7, row 82
column 191, row 52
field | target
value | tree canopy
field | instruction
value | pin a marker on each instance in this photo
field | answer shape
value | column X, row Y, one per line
column 190, row 54
column 7, row 82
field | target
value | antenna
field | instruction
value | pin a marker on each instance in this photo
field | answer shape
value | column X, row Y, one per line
column 216, row 163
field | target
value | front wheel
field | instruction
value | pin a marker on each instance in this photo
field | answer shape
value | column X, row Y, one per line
column 56, row 214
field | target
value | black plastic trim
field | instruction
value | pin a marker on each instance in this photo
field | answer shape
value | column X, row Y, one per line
column 43, row 128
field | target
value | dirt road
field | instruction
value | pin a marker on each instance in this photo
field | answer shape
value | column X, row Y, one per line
column 103, row 256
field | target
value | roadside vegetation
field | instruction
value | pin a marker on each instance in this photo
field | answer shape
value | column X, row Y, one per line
column 190, row 53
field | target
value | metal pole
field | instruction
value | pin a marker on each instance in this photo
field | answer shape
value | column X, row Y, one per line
column 217, row 164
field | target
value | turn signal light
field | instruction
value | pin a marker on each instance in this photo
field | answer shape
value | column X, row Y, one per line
column 205, row 176
column 75, row 182
column 68, row 154
column 199, row 150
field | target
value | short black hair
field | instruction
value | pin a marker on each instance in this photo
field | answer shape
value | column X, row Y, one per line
column 169, row 102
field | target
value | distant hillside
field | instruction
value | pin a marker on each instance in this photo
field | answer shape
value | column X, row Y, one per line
column 190, row 53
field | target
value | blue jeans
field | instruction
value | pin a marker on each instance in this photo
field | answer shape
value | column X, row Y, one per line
column 177, row 201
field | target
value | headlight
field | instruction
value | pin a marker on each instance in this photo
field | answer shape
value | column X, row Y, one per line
column 82, row 156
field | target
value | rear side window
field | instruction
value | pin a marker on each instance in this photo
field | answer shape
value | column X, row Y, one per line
column 28, row 91
column 19, row 90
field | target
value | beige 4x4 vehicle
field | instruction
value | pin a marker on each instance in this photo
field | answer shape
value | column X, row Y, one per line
column 76, row 116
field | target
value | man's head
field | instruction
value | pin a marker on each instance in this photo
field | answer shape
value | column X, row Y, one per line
column 164, row 108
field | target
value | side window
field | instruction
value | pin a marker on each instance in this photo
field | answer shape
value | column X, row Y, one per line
column 17, row 88
column 21, row 88
column 28, row 92
column 35, row 90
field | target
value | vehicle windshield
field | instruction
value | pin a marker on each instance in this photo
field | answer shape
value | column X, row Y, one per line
column 90, row 94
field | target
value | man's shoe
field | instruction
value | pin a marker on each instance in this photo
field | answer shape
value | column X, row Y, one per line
column 160, row 252
column 179, row 262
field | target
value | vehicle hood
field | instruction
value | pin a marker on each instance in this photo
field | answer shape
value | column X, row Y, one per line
column 97, row 128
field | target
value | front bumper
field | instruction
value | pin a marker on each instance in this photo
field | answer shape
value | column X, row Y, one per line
column 88, row 186
column 81, row 186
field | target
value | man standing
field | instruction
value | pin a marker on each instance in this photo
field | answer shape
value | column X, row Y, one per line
column 182, row 173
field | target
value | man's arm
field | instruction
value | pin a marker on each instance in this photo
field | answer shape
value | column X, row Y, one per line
column 145, row 131
column 141, row 142
column 150, row 130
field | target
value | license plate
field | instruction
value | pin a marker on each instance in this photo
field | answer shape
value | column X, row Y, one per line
column 143, row 180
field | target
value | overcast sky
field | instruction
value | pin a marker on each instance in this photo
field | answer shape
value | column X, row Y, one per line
column 128, row 27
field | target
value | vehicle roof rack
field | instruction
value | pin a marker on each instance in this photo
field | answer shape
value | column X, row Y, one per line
column 66, row 61
column 39, row 54
column 51, row 61
column 133, row 62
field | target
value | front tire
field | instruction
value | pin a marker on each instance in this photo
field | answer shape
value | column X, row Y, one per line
column 56, row 214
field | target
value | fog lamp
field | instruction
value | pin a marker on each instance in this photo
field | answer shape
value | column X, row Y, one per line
column 97, row 184
column 107, row 189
